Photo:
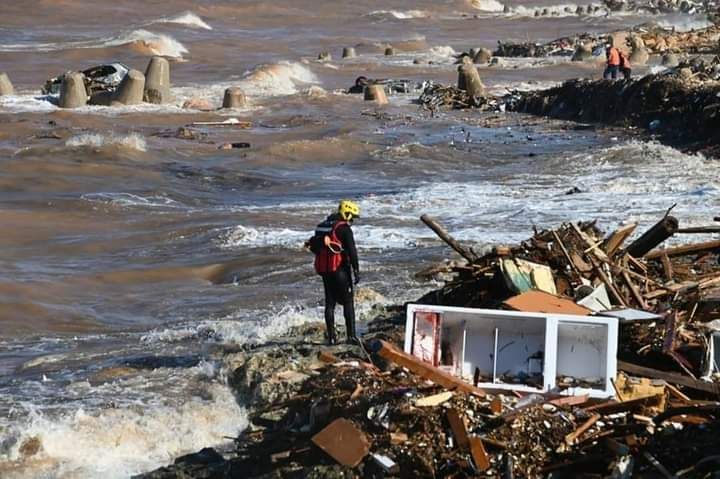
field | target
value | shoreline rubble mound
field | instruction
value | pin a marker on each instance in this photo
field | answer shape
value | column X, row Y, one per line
column 381, row 411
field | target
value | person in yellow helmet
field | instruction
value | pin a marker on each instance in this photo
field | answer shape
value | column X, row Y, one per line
column 336, row 261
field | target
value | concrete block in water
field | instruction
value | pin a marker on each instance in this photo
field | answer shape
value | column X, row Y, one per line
column 469, row 80
column 131, row 89
column 483, row 55
column 72, row 90
column 389, row 51
column 234, row 98
column 375, row 93
column 324, row 57
column 582, row 53
column 6, row 87
column 349, row 52
column 639, row 56
column 157, row 81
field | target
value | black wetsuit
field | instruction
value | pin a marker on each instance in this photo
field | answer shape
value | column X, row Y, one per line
column 339, row 285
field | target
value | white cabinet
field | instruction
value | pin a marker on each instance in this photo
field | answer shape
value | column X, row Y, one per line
column 530, row 352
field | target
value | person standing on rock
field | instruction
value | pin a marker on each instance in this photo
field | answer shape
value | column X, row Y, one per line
column 336, row 261
column 625, row 67
column 613, row 62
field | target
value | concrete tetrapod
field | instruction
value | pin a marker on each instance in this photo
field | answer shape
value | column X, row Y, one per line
column 469, row 80
column 349, row 52
column 72, row 90
column 157, row 81
column 639, row 56
column 234, row 98
column 376, row 93
column 131, row 89
column 483, row 55
column 6, row 87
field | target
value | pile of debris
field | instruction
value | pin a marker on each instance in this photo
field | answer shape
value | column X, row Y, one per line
column 564, row 46
column 436, row 96
column 666, row 299
column 684, row 112
column 378, row 411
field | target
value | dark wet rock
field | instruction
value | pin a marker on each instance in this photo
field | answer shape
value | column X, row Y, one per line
column 205, row 464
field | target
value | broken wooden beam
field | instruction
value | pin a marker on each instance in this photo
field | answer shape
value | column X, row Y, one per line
column 457, row 425
column 445, row 236
column 613, row 243
column 479, row 455
column 659, row 232
column 573, row 436
column 422, row 369
column 694, row 248
column 674, row 378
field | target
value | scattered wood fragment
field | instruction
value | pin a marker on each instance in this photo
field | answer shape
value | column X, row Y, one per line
column 422, row 369
column 571, row 438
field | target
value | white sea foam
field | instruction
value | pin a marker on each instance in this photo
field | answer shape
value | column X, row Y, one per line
column 145, row 41
column 117, row 443
column 683, row 22
column 399, row 14
column 188, row 19
column 133, row 141
column 129, row 200
column 487, row 5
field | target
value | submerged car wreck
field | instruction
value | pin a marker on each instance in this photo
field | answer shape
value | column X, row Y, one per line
column 98, row 79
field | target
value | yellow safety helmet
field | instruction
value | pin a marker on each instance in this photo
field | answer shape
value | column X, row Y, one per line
column 348, row 210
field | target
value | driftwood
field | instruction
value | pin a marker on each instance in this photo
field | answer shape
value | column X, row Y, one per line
column 445, row 236
column 660, row 231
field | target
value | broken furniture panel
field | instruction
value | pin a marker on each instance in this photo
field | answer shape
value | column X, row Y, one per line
column 527, row 352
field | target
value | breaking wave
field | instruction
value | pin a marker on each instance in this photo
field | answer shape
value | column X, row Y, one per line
column 487, row 5
column 120, row 442
column 399, row 14
column 283, row 78
column 133, row 141
column 143, row 41
column 188, row 19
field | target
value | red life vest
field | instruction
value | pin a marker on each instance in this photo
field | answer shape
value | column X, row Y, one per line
column 329, row 260
column 613, row 57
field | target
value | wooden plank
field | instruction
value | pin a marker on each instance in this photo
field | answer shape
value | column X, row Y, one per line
column 667, row 267
column 422, row 369
column 565, row 251
column 479, row 455
column 535, row 301
column 569, row 400
column 684, row 249
column 589, row 241
column 674, row 378
column 617, row 238
column 633, row 289
column 459, row 430
column 612, row 407
column 571, row 438
column 610, row 287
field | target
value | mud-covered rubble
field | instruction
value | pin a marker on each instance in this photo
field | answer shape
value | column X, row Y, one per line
column 654, row 38
column 678, row 106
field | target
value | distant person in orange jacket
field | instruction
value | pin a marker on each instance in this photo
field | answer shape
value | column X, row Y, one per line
column 613, row 62
column 625, row 67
